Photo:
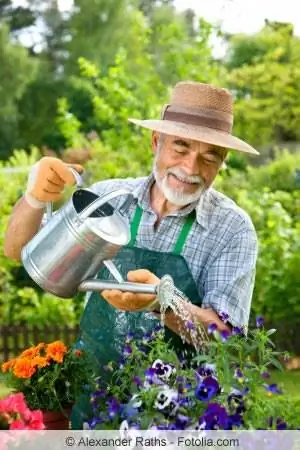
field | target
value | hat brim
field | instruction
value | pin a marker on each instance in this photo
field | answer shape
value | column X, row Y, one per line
column 197, row 133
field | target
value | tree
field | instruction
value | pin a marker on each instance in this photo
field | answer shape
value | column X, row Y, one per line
column 264, row 74
column 17, row 18
column 17, row 70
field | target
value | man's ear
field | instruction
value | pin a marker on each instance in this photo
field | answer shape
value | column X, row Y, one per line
column 155, row 139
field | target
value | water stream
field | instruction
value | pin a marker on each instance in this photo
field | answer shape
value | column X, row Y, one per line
column 171, row 297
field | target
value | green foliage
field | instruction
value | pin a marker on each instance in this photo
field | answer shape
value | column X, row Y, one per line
column 25, row 304
column 17, row 69
column 260, row 67
column 158, row 388
column 270, row 195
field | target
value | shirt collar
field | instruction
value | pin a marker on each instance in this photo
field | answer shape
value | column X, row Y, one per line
column 202, row 206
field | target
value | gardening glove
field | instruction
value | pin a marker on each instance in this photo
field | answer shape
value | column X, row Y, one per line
column 129, row 301
column 47, row 180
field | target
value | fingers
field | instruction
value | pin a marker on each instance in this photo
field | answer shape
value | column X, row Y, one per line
column 62, row 170
column 49, row 177
column 77, row 167
column 127, row 301
column 142, row 276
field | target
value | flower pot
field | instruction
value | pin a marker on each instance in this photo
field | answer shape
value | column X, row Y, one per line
column 57, row 420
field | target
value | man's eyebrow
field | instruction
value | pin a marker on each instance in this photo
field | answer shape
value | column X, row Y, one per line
column 181, row 142
column 220, row 153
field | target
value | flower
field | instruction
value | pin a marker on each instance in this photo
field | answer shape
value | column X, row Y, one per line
column 211, row 328
column 225, row 335
column 224, row 316
column 56, row 351
column 259, row 322
column 15, row 414
column 44, row 365
column 23, row 368
column 167, row 401
column 206, row 390
column 273, row 388
column 220, row 387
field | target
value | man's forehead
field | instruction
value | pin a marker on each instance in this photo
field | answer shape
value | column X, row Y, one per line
column 193, row 143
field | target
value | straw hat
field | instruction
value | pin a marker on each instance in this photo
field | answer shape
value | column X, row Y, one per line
column 201, row 112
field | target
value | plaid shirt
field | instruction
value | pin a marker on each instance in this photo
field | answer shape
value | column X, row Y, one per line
column 221, row 248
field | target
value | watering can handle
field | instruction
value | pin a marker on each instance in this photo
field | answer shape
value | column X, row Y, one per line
column 79, row 183
column 102, row 200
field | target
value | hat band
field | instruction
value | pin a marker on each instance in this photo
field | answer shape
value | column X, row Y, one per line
column 199, row 116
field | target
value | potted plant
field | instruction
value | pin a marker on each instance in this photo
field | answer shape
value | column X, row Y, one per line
column 227, row 385
column 15, row 414
column 51, row 377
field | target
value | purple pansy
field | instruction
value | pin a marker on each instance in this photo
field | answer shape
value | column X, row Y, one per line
column 215, row 417
column 224, row 316
column 273, row 388
column 211, row 328
column 259, row 321
column 207, row 389
column 225, row 334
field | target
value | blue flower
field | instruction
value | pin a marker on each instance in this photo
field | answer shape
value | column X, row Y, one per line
column 127, row 350
column 223, row 316
column 215, row 417
column 92, row 423
column 129, row 337
column 206, row 369
column 162, row 370
column 113, row 407
column 225, row 335
column 279, row 425
column 211, row 328
column 181, row 422
column 137, row 380
column 207, row 389
column 273, row 388
column 265, row 375
column 237, row 331
column 259, row 321
column 235, row 420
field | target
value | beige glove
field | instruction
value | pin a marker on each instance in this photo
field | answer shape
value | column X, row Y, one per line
column 47, row 180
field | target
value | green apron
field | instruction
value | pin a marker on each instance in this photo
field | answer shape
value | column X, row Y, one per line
column 103, row 328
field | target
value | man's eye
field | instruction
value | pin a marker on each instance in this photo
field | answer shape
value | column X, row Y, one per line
column 179, row 149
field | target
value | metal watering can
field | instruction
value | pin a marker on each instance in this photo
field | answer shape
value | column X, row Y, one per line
column 73, row 244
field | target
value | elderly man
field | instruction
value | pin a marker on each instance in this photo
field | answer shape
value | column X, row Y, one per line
column 180, row 225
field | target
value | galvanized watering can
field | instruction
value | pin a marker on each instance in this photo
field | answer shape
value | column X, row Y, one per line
column 66, row 254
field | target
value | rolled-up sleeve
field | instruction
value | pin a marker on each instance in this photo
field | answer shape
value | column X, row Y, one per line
column 229, row 280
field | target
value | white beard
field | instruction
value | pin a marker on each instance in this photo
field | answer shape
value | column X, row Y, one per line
column 176, row 197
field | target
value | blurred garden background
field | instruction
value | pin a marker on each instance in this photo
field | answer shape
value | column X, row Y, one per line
column 69, row 87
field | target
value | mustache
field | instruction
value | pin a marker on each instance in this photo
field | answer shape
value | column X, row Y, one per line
column 183, row 176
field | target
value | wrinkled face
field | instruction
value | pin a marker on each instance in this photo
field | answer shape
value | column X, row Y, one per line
column 184, row 168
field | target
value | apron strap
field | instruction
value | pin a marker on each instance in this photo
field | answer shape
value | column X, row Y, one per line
column 184, row 233
column 134, row 226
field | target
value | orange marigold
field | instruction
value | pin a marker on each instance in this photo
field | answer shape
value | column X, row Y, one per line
column 56, row 351
column 40, row 362
column 30, row 352
column 5, row 366
column 8, row 364
column 23, row 368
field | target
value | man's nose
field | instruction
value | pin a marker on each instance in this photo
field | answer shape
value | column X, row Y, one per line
column 191, row 164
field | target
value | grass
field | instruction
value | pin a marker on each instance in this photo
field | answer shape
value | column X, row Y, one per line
column 290, row 382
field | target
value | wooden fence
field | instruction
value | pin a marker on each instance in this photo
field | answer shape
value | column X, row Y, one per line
column 15, row 338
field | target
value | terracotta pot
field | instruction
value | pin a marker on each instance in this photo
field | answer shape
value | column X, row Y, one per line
column 56, row 420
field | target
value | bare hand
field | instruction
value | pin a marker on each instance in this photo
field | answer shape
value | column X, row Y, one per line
column 128, row 301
